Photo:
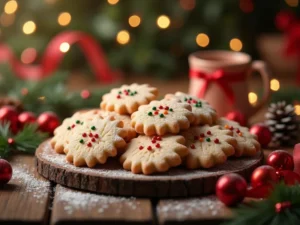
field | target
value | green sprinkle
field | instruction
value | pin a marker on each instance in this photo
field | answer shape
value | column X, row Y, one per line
column 149, row 113
column 191, row 98
column 135, row 92
column 77, row 121
column 154, row 108
column 208, row 139
column 185, row 99
column 128, row 90
column 93, row 128
column 69, row 128
column 161, row 115
column 131, row 94
column 120, row 92
column 81, row 141
column 171, row 110
column 81, row 123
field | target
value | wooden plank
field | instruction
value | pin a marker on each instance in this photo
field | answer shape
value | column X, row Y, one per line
column 25, row 198
column 206, row 210
column 72, row 206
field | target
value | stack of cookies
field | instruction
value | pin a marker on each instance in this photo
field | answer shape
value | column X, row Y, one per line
column 152, row 136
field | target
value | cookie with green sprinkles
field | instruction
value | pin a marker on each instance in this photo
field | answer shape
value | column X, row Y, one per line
column 162, row 117
column 208, row 146
column 204, row 113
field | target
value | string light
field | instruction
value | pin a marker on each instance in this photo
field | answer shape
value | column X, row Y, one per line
column 236, row 44
column 123, row 37
column 112, row 2
column 28, row 55
column 29, row 27
column 64, row 47
column 7, row 19
column 202, row 40
column 134, row 21
column 274, row 85
column 11, row 7
column 252, row 97
column 163, row 21
column 246, row 6
column 297, row 109
column 187, row 4
column 292, row 3
column 64, row 18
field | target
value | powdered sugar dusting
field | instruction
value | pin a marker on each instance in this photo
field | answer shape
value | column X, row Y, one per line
column 188, row 208
column 77, row 200
column 39, row 188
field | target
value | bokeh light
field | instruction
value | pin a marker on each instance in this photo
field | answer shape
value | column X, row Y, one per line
column 297, row 109
column 112, row 2
column 292, row 3
column 123, row 37
column 274, row 85
column 236, row 44
column 7, row 19
column 202, row 40
column 134, row 20
column 64, row 18
column 163, row 21
column 187, row 4
column 28, row 55
column 246, row 6
column 29, row 27
column 11, row 7
column 64, row 47
column 252, row 97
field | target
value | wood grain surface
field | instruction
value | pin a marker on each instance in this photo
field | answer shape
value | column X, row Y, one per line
column 111, row 178
column 74, row 207
column 25, row 199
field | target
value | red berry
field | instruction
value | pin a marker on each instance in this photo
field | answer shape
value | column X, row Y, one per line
column 157, row 145
column 84, row 135
column 149, row 148
column 141, row 147
column 192, row 146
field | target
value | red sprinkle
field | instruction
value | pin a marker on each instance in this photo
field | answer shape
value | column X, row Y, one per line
column 208, row 132
column 157, row 145
column 90, row 135
column 238, row 131
column 192, row 146
column 156, row 112
column 194, row 101
column 84, row 135
column 160, row 107
column 158, row 138
column 126, row 93
column 153, row 141
column 189, row 101
column 231, row 128
column 93, row 139
column 196, row 137
column 118, row 96
column 73, row 125
column 202, row 135
column 167, row 108
column 149, row 148
column 96, row 136
column 217, row 141
column 89, row 144
column 141, row 147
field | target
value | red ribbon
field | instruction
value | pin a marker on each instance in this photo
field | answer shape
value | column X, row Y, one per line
column 219, row 77
column 53, row 56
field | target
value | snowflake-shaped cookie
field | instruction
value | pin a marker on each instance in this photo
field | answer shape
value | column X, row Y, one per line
column 162, row 117
column 127, row 98
column 116, row 116
column 149, row 155
column 204, row 113
column 247, row 145
column 63, row 132
column 95, row 141
column 208, row 146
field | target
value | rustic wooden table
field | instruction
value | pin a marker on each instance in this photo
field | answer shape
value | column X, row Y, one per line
column 31, row 199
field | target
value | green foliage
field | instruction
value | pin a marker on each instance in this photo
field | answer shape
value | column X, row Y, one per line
column 49, row 94
column 26, row 140
column 263, row 212
column 289, row 95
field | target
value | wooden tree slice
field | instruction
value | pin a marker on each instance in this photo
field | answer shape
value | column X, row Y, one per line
column 112, row 179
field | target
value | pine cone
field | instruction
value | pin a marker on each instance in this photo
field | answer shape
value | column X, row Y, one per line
column 12, row 102
column 283, row 123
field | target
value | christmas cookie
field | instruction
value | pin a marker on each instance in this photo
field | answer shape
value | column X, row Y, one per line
column 247, row 145
column 204, row 113
column 63, row 132
column 208, row 146
column 162, row 117
column 149, row 155
column 124, row 118
column 127, row 98
column 95, row 141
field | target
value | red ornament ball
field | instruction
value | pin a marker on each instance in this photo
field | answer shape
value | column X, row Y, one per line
column 231, row 189
column 281, row 160
column 264, row 135
column 5, row 172
column 47, row 122
column 10, row 114
column 237, row 116
column 264, row 175
column 26, row 118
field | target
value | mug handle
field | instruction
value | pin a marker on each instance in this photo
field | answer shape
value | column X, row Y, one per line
column 260, row 66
